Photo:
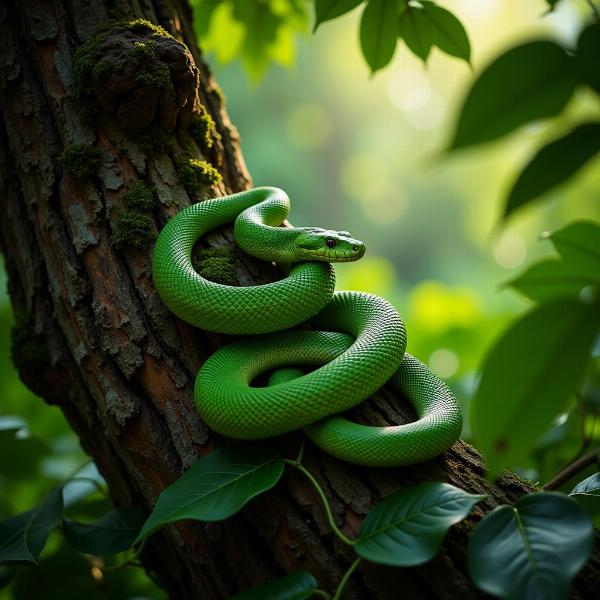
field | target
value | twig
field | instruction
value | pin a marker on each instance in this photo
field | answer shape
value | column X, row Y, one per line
column 300, row 467
column 572, row 469
column 344, row 581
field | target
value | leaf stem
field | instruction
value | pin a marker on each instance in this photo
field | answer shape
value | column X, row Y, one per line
column 300, row 467
column 345, row 578
column 322, row 594
column 130, row 562
column 572, row 469
column 91, row 480
column 594, row 9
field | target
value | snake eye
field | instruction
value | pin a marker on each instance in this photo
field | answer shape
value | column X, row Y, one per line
column 330, row 242
column 355, row 248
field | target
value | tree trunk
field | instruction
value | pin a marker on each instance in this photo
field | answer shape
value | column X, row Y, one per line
column 101, row 345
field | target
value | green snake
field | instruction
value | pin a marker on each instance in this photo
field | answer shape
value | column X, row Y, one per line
column 358, row 346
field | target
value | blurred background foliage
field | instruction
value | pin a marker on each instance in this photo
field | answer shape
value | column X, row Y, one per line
column 363, row 154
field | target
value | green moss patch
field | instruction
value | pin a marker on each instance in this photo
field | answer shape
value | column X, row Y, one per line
column 140, row 196
column 81, row 160
column 195, row 174
column 203, row 129
column 216, row 264
column 132, row 229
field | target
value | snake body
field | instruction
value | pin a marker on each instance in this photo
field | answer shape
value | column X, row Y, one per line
column 359, row 344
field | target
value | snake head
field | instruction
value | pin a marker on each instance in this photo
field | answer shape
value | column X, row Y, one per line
column 313, row 243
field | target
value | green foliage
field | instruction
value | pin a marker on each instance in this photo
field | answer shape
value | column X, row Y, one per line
column 532, row 81
column 297, row 585
column 554, row 164
column 326, row 10
column 588, row 56
column 140, row 196
column 257, row 32
column 588, row 487
column 196, row 175
column 216, row 487
column 531, row 550
column 575, row 275
column 132, row 229
column 114, row 532
column 416, row 30
column 447, row 32
column 23, row 537
column 378, row 32
column 81, row 160
column 535, row 366
column 408, row 526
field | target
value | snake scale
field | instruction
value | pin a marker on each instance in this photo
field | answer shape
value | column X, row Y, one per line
column 358, row 346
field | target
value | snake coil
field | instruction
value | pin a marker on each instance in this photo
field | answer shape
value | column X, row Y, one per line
column 359, row 346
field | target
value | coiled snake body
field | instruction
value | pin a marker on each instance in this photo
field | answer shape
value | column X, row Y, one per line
column 359, row 347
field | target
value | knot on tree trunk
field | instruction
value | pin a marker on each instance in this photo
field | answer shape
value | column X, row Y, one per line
column 139, row 73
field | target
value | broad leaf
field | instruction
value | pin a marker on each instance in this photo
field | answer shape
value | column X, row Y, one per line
column 416, row 30
column 588, row 56
column 23, row 537
column 529, row 82
column 114, row 532
column 551, row 279
column 588, row 487
column 407, row 527
column 532, row 550
column 579, row 245
column 330, row 9
column 378, row 30
column 298, row 585
column 529, row 376
column 554, row 164
column 216, row 487
column 448, row 33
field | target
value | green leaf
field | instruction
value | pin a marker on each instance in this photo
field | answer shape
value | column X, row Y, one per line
column 448, row 33
column 203, row 11
column 528, row 378
column 551, row 279
column 531, row 550
column 330, row 9
column 416, row 30
column 407, row 527
column 554, row 164
column 579, row 245
column 216, row 486
column 23, row 537
column 587, row 56
column 114, row 532
column 298, row 585
column 378, row 30
column 588, row 487
column 529, row 82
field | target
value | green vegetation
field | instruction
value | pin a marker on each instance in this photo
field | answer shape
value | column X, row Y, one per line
column 196, row 175
column 81, row 160
column 132, row 230
column 88, row 65
column 202, row 129
column 140, row 196
column 217, row 264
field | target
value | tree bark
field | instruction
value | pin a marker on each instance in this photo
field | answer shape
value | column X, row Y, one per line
column 121, row 367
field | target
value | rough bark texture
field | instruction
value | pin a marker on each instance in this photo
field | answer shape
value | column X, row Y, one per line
column 121, row 367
